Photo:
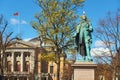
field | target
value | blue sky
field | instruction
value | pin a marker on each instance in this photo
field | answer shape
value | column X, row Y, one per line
column 95, row 9
column 26, row 10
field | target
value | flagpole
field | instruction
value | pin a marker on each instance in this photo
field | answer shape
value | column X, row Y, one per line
column 18, row 26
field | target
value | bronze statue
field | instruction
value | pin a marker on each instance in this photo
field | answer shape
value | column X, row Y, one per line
column 83, row 38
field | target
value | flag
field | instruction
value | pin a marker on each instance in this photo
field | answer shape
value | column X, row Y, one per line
column 15, row 14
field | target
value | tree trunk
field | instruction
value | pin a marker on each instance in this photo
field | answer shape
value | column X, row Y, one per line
column 58, row 70
column 114, row 74
column 2, row 64
column 58, row 64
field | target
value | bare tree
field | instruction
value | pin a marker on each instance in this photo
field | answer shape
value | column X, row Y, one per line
column 108, row 32
column 5, row 39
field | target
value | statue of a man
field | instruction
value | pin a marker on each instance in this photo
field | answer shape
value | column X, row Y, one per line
column 83, row 38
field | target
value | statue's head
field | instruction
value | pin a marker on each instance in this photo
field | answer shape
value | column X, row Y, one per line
column 83, row 17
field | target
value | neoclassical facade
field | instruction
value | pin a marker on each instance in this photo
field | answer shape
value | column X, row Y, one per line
column 19, row 61
column 23, row 62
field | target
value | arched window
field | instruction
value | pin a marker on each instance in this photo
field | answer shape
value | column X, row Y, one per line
column 27, row 66
column 9, row 66
column 26, row 63
column 18, row 66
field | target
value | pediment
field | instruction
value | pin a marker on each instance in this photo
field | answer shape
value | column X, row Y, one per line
column 21, row 44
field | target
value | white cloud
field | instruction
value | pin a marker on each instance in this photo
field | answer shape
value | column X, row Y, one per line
column 23, row 22
column 100, row 51
column 14, row 21
column 99, row 43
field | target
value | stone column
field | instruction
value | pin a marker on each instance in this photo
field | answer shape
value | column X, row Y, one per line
column 21, row 61
column 17, row 78
column 27, row 78
column 12, row 62
column 47, row 77
column 32, row 61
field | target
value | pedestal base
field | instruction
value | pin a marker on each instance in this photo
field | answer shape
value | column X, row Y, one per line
column 84, row 71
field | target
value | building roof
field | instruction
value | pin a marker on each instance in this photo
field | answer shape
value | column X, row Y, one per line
column 18, row 43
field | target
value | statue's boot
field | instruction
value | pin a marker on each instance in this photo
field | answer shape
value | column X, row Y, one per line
column 83, row 58
column 90, row 59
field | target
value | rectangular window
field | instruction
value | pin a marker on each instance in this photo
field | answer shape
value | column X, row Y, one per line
column 51, row 69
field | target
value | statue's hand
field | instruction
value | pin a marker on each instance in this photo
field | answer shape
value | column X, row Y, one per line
column 89, row 30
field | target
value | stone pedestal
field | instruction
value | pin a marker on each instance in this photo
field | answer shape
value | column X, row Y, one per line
column 84, row 71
